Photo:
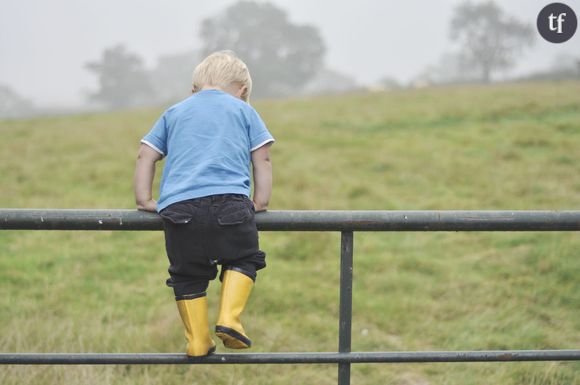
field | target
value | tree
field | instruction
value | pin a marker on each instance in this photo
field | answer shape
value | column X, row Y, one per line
column 13, row 105
column 450, row 69
column 565, row 66
column 327, row 81
column 282, row 56
column 171, row 78
column 122, row 79
column 489, row 39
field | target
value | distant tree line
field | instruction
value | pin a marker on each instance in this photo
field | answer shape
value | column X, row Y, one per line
column 489, row 41
column 282, row 56
column 286, row 58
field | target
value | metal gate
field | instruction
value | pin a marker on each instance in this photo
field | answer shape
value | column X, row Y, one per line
column 346, row 222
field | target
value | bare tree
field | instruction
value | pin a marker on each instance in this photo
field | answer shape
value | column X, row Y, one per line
column 490, row 40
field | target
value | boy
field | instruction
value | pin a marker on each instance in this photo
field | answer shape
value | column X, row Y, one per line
column 209, row 140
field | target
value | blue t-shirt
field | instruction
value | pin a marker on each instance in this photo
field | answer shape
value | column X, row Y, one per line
column 207, row 140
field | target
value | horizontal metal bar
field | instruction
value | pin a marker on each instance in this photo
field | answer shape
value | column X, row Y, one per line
column 38, row 219
column 287, row 358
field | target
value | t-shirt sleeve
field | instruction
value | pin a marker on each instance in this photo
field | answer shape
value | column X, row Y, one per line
column 258, row 133
column 157, row 137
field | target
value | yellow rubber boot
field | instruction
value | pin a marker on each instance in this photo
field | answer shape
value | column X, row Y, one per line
column 236, row 288
column 193, row 313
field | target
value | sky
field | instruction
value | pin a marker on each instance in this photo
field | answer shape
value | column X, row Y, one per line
column 44, row 45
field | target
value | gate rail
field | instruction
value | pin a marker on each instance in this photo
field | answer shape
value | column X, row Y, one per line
column 293, row 220
column 344, row 221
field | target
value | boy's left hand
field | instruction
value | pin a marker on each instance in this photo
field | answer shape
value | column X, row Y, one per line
column 150, row 205
column 258, row 208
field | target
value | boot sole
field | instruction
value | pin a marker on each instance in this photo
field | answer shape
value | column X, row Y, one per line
column 232, row 339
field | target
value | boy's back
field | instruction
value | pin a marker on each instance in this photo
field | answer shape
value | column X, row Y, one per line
column 207, row 140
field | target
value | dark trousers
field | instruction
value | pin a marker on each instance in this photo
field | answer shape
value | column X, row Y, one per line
column 202, row 233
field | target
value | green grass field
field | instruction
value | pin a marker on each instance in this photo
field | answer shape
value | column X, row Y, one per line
column 500, row 147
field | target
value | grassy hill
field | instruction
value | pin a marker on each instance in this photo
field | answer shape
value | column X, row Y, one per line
column 498, row 147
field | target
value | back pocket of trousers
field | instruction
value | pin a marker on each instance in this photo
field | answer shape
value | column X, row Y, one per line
column 177, row 214
column 234, row 213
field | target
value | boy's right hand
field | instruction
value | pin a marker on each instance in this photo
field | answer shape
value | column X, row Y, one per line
column 150, row 205
column 144, row 174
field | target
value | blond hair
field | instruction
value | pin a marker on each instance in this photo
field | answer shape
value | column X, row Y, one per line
column 221, row 69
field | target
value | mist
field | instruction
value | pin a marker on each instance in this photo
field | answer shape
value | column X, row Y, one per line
column 45, row 46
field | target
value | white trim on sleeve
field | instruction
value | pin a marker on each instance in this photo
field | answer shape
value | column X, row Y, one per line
column 152, row 146
column 261, row 144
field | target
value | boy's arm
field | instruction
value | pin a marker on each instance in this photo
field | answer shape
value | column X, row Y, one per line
column 262, row 167
column 144, row 174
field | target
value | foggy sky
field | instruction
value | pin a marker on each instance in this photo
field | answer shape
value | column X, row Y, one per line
column 45, row 44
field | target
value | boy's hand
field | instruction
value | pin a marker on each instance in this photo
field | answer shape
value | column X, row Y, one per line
column 144, row 174
column 149, row 205
column 258, row 208
column 262, row 177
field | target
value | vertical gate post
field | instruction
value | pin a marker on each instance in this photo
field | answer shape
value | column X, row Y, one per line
column 345, row 319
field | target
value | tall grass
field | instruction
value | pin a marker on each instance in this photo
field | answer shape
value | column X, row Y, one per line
column 501, row 147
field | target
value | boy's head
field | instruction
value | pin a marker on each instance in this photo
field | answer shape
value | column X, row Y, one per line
column 223, row 70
